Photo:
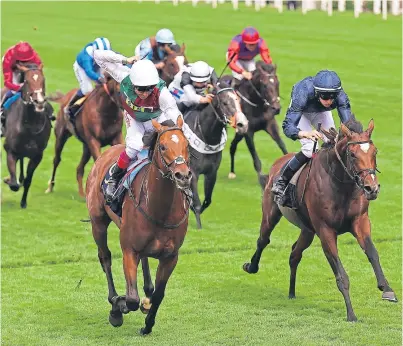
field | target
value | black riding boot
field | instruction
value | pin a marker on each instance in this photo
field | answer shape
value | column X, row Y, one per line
column 116, row 174
column 292, row 167
column 71, row 109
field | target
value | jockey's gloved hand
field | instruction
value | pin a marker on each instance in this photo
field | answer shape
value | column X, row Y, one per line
column 102, row 80
column 247, row 75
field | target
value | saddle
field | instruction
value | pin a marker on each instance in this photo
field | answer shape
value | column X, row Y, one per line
column 126, row 181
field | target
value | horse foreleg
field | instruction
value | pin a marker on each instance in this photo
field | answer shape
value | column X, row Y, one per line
column 80, row 169
column 164, row 271
column 196, row 205
column 273, row 130
column 304, row 241
column 362, row 231
column 130, row 264
column 328, row 238
column 271, row 217
column 232, row 151
column 21, row 178
column 209, row 183
column 33, row 163
column 11, row 181
column 95, row 148
column 148, row 286
column 100, row 233
column 249, row 138
column 62, row 135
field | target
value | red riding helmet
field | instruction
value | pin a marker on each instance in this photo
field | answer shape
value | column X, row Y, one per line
column 24, row 51
column 250, row 35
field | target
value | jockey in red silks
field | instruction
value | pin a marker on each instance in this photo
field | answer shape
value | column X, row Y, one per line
column 21, row 52
column 242, row 51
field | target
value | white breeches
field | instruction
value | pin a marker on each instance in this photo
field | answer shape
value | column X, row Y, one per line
column 136, row 130
column 248, row 65
column 84, row 81
column 313, row 119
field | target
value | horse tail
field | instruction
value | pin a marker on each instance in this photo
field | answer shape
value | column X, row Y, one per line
column 56, row 97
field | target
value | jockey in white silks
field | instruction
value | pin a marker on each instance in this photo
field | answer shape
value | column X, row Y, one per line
column 192, row 84
column 144, row 96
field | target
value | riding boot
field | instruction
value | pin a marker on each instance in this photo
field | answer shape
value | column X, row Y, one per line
column 2, row 112
column 288, row 172
column 116, row 174
column 71, row 108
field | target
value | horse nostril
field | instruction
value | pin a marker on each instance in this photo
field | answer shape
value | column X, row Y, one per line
column 240, row 125
column 178, row 176
column 368, row 188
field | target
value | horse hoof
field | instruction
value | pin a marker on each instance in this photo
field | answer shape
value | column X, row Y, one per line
column 23, row 205
column 144, row 331
column 145, row 305
column 116, row 319
column 132, row 305
column 231, row 175
column 390, row 296
column 14, row 187
column 249, row 269
column 291, row 296
column 352, row 319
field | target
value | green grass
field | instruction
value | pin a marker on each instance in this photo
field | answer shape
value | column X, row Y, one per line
column 46, row 250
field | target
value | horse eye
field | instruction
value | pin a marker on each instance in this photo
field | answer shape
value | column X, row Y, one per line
column 352, row 155
column 163, row 147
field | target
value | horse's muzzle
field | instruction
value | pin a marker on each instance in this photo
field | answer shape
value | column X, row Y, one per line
column 183, row 178
column 241, row 123
column 371, row 191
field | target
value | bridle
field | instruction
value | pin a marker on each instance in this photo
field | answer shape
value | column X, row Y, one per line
column 224, row 119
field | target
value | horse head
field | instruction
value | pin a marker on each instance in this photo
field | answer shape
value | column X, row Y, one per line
column 171, row 153
column 266, row 82
column 112, row 88
column 174, row 61
column 33, row 89
column 357, row 154
column 227, row 108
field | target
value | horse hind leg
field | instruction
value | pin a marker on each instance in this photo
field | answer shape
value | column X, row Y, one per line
column 11, row 181
column 21, row 178
column 304, row 241
column 209, row 183
column 196, row 205
column 100, row 233
column 232, row 152
column 273, row 131
column 271, row 217
column 62, row 135
column 145, row 304
column 80, row 169
column 33, row 163
column 262, row 178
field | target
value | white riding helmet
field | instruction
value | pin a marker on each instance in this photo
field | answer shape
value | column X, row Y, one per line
column 165, row 36
column 144, row 73
column 102, row 43
column 200, row 72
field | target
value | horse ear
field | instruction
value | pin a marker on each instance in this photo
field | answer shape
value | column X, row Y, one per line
column 370, row 128
column 345, row 130
column 179, row 122
column 183, row 48
column 157, row 125
column 40, row 67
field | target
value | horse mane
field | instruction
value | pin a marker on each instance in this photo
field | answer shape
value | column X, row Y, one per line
column 353, row 125
column 150, row 138
column 269, row 68
column 31, row 66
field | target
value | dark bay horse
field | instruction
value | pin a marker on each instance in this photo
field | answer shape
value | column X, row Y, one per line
column 334, row 195
column 174, row 61
column 154, row 221
column 27, row 129
column 97, row 124
column 260, row 101
column 205, row 129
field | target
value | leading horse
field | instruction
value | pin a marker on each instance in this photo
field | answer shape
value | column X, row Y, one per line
column 28, row 129
column 154, row 220
column 97, row 123
column 260, row 101
column 334, row 194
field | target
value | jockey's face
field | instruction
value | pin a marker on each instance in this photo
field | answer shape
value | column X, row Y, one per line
column 326, row 103
column 143, row 92
column 163, row 46
column 326, row 99
column 200, row 85
column 250, row 47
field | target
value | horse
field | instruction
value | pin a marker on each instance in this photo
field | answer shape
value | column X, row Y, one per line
column 333, row 194
column 206, row 131
column 153, row 224
column 97, row 123
column 260, row 101
column 28, row 129
column 174, row 62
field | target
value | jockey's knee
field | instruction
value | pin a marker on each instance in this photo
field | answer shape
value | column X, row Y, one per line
column 86, row 89
column 307, row 150
column 131, row 152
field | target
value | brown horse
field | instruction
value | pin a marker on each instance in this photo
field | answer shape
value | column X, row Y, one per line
column 334, row 195
column 98, row 123
column 27, row 129
column 153, row 224
column 174, row 61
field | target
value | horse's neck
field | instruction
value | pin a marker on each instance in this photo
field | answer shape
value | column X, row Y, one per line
column 106, row 102
column 160, row 193
column 211, row 127
column 247, row 91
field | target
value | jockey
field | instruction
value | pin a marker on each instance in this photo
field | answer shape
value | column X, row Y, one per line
column 144, row 96
column 312, row 100
column 191, row 85
column 154, row 48
column 86, row 71
column 22, row 52
column 242, row 51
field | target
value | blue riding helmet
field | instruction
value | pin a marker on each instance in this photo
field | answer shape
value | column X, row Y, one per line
column 102, row 43
column 165, row 36
column 327, row 84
